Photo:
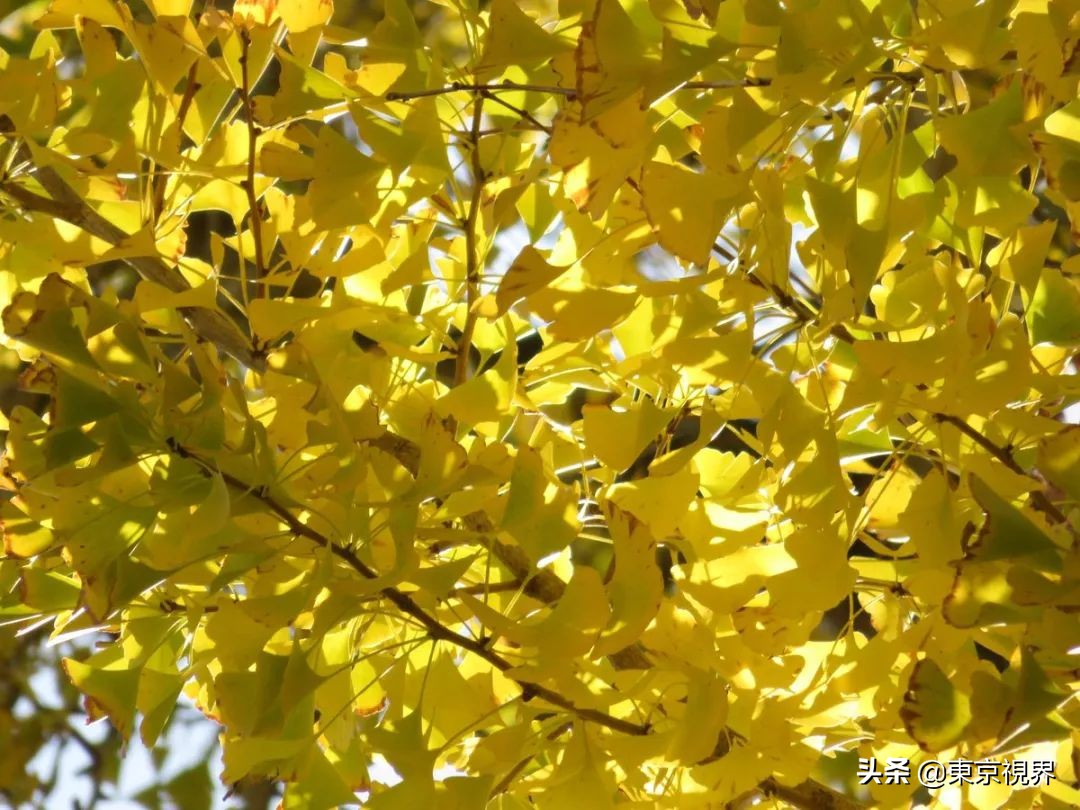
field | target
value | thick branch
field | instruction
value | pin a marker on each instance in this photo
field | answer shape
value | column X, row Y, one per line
column 66, row 204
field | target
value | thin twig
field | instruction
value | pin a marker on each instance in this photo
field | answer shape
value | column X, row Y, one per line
column 1003, row 455
column 570, row 93
column 157, row 203
column 501, row 87
column 472, row 263
column 726, row 84
column 511, row 775
column 255, row 221
column 528, row 116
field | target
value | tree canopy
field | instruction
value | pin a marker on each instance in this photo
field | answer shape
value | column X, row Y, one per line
column 568, row 404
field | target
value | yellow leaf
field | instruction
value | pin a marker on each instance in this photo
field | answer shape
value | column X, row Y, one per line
column 62, row 13
column 572, row 628
column 540, row 517
column 636, row 587
column 580, row 314
column 109, row 692
column 1059, row 460
column 529, row 273
column 486, row 397
column 616, row 438
column 703, row 723
column 300, row 15
column 658, row 501
column 23, row 537
column 688, row 208
column 514, row 38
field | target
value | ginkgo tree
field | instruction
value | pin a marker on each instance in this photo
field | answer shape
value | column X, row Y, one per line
column 570, row 404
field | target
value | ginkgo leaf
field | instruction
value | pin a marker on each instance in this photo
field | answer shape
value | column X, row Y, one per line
column 514, row 38
column 301, row 15
column 486, row 397
column 1054, row 310
column 636, row 587
column 47, row 592
column 23, row 536
column 454, row 704
column 657, row 501
column 1034, row 715
column 1059, row 459
column 574, row 625
column 1008, row 533
column 618, row 437
column 541, row 523
column 703, row 723
column 303, row 89
column 579, row 314
column 935, row 712
column 156, row 700
column 688, row 208
column 580, row 777
column 318, row 785
column 542, row 404
column 529, row 273
column 109, row 692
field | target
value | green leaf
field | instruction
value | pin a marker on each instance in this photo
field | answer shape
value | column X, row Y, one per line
column 1053, row 315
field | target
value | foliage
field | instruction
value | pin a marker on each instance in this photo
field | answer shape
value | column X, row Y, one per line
column 607, row 401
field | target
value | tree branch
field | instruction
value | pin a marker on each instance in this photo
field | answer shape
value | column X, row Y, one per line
column 66, row 204
column 808, row 794
column 1003, row 455
column 525, row 114
column 803, row 314
column 569, row 93
column 405, row 603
